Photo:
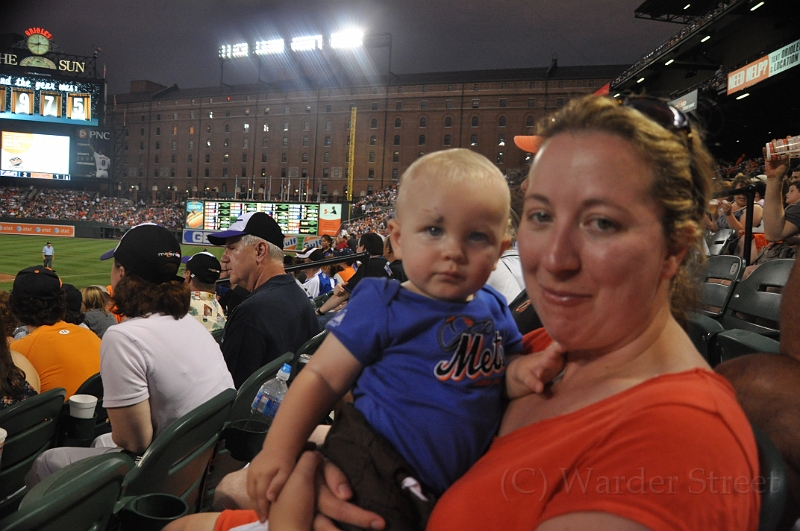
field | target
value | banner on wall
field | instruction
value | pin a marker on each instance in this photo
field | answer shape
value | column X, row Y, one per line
column 330, row 218
column 36, row 229
column 770, row 65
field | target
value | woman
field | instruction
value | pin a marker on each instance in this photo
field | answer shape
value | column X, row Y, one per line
column 18, row 379
column 8, row 323
column 730, row 215
column 159, row 363
column 633, row 434
column 98, row 318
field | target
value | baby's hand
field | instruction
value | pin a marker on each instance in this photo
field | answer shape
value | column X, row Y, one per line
column 266, row 476
column 530, row 373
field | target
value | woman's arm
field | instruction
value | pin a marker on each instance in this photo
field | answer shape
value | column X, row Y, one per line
column 131, row 426
column 775, row 224
column 328, row 376
column 31, row 376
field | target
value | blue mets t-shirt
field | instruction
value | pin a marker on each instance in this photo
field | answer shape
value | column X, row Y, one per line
column 432, row 378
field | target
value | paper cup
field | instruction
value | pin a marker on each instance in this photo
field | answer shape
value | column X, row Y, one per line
column 82, row 406
column 3, row 434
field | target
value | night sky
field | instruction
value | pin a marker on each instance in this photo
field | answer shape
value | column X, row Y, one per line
column 177, row 41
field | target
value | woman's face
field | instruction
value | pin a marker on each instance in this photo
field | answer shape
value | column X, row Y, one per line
column 592, row 246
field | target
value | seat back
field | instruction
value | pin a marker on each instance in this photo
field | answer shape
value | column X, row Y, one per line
column 773, row 470
column 92, row 386
column 718, row 277
column 702, row 330
column 78, row 497
column 176, row 461
column 718, row 241
column 247, row 392
column 309, row 347
column 31, row 425
column 756, row 301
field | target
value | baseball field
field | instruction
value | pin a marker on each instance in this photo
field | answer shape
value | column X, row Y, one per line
column 76, row 261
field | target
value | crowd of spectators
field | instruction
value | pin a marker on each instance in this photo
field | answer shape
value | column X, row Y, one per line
column 77, row 205
column 685, row 31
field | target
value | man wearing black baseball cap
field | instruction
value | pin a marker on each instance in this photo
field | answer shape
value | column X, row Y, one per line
column 277, row 317
column 202, row 272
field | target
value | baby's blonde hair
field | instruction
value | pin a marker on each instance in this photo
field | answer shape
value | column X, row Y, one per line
column 454, row 166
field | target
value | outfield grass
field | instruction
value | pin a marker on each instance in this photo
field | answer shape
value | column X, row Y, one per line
column 76, row 261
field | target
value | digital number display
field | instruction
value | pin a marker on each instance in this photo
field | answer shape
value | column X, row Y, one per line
column 292, row 218
column 45, row 99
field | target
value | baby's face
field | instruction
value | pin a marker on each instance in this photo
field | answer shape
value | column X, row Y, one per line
column 450, row 236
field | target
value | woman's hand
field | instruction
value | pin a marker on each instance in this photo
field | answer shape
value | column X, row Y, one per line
column 725, row 207
column 332, row 503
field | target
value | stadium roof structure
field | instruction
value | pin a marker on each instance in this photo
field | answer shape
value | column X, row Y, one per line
column 679, row 11
column 698, row 59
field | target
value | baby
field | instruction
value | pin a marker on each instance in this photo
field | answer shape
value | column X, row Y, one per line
column 425, row 359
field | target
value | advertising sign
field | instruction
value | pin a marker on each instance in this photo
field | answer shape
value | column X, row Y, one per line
column 36, row 229
column 686, row 103
column 764, row 68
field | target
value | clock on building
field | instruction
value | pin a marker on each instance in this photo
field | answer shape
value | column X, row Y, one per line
column 38, row 44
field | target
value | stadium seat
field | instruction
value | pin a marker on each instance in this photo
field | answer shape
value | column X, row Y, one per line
column 756, row 301
column 31, row 426
column 773, row 470
column 718, row 277
column 718, row 241
column 309, row 347
column 67, row 427
column 222, row 463
column 703, row 330
column 176, row 462
column 79, row 497
column 734, row 343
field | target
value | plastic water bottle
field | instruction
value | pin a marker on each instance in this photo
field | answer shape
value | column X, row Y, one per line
column 271, row 395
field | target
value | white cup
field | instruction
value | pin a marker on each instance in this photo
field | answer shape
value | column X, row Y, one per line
column 82, row 406
column 3, row 434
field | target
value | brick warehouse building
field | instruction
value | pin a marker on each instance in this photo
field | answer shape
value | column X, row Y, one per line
column 203, row 142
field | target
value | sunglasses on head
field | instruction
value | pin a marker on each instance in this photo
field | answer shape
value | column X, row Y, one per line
column 659, row 111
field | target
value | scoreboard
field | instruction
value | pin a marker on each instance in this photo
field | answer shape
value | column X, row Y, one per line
column 41, row 98
column 218, row 215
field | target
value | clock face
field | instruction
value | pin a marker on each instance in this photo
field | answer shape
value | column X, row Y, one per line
column 38, row 44
column 38, row 62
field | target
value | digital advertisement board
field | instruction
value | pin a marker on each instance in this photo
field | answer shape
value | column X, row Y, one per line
column 31, row 155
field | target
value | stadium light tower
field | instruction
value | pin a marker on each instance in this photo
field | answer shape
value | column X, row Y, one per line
column 351, row 38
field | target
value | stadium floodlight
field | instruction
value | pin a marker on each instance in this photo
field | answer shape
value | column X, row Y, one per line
column 234, row 51
column 640, row 80
column 686, row 6
column 617, row 95
column 305, row 44
column 351, row 38
column 270, row 47
column 669, row 62
column 756, row 6
column 704, row 39
column 743, row 96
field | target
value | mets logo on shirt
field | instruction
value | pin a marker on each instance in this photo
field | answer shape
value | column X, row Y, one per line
column 477, row 349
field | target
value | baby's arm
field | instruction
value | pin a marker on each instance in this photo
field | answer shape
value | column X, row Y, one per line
column 529, row 373
column 328, row 376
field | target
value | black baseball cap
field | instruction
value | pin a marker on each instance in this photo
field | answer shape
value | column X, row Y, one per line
column 37, row 282
column 74, row 297
column 150, row 252
column 205, row 267
column 253, row 223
